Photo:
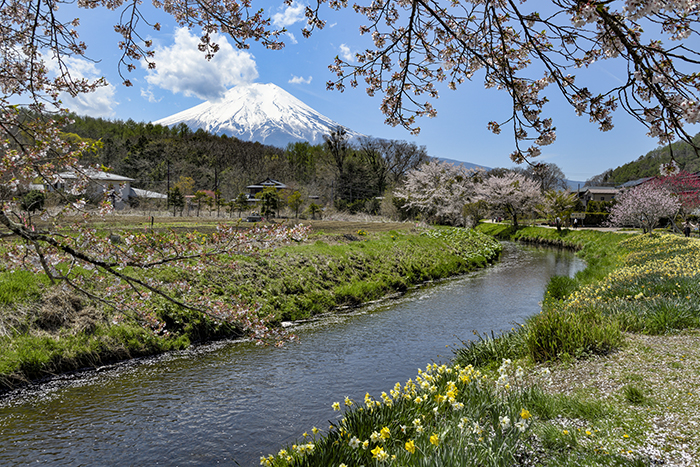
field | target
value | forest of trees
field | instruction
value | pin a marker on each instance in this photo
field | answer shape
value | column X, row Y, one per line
column 648, row 165
column 351, row 175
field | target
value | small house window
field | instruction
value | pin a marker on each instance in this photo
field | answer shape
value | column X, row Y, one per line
column 602, row 198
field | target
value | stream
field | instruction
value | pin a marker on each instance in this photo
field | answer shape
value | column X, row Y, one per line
column 229, row 403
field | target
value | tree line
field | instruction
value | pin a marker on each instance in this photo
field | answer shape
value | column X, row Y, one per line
column 350, row 175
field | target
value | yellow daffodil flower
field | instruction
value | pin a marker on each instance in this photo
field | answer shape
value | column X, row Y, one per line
column 410, row 446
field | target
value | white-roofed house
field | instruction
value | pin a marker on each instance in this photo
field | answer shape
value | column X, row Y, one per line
column 116, row 187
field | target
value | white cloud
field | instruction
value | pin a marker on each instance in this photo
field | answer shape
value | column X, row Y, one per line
column 182, row 68
column 346, row 54
column 99, row 103
column 96, row 104
column 292, row 39
column 289, row 15
column 300, row 80
column 148, row 95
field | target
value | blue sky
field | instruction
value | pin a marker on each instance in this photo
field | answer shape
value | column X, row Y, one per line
column 183, row 78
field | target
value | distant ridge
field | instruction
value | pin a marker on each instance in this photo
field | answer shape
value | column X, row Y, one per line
column 572, row 185
column 264, row 113
column 466, row 165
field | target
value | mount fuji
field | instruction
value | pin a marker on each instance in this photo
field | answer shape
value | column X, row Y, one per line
column 264, row 113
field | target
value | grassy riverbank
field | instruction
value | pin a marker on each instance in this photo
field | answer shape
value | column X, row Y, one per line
column 45, row 330
column 607, row 374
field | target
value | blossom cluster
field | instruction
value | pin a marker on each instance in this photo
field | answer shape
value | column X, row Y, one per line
column 439, row 190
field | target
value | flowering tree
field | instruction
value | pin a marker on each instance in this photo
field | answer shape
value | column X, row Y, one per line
column 685, row 186
column 439, row 190
column 512, row 193
column 421, row 43
column 643, row 206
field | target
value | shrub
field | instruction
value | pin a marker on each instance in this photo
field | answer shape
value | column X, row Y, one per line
column 492, row 350
column 33, row 201
column 553, row 334
column 560, row 287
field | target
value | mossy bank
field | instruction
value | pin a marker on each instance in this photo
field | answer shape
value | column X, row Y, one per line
column 46, row 330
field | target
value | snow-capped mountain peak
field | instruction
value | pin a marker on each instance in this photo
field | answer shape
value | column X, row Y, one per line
column 258, row 112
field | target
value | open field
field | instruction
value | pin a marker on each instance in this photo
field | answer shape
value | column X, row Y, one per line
column 207, row 224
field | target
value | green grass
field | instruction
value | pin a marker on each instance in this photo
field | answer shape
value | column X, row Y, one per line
column 560, row 287
column 550, row 406
column 301, row 281
column 634, row 394
column 19, row 286
column 27, row 357
column 488, row 351
column 53, row 332
column 558, row 334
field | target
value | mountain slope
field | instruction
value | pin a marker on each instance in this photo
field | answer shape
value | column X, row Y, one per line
column 648, row 165
column 264, row 113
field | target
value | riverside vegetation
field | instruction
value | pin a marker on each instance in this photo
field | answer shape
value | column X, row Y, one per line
column 607, row 374
column 44, row 330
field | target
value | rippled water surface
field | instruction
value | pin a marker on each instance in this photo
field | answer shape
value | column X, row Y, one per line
column 231, row 403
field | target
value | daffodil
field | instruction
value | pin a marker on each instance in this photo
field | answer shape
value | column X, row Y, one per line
column 336, row 406
column 385, row 433
column 379, row 454
column 435, row 439
column 410, row 446
column 504, row 422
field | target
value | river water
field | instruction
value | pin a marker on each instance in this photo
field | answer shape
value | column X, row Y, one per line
column 230, row 403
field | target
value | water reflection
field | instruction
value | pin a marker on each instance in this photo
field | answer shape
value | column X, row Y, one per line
column 230, row 404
